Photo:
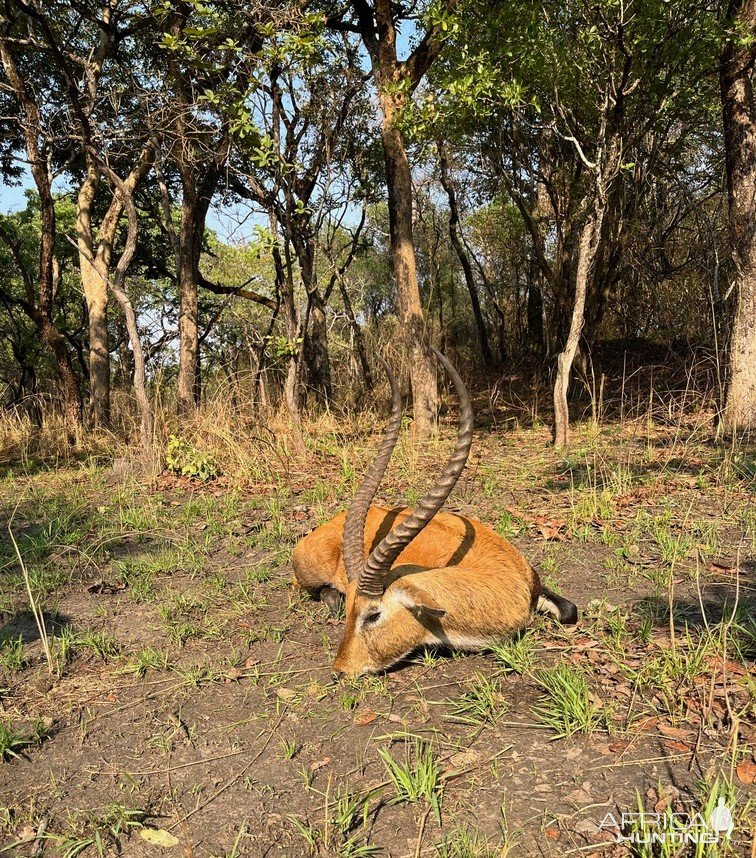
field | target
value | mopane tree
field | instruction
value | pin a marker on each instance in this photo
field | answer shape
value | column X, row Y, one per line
column 33, row 91
column 207, row 59
column 575, row 107
column 379, row 25
column 88, row 45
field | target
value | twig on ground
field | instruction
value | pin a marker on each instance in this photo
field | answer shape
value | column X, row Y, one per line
column 236, row 777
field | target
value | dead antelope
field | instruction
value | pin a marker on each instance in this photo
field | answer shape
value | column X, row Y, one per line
column 430, row 577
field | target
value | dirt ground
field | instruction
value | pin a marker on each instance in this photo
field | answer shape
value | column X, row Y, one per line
column 191, row 710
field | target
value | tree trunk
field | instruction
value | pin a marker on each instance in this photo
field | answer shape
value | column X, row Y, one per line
column 399, row 181
column 464, row 260
column 587, row 249
column 535, row 313
column 187, row 384
column 285, row 292
column 125, row 372
column 96, row 295
column 739, row 120
column 359, row 337
column 43, row 311
column 319, row 364
column 318, row 361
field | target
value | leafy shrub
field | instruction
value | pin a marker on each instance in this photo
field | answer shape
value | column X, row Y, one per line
column 186, row 460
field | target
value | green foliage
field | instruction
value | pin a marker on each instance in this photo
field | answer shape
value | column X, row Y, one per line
column 567, row 705
column 11, row 742
column 482, row 702
column 282, row 347
column 417, row 776
column 182, row 458
column 12, row 652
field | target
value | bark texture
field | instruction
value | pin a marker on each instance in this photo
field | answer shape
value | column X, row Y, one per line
column 739, row 121
column 587, row 250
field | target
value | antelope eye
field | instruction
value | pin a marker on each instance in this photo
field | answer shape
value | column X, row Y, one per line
column 370, row 618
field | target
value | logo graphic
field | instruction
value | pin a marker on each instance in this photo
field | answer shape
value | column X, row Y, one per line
column 720, row 819
column 671, row 828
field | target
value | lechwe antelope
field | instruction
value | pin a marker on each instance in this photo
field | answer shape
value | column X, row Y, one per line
column 430, row 577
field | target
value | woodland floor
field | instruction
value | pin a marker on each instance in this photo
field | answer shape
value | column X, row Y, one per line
column 191, row 700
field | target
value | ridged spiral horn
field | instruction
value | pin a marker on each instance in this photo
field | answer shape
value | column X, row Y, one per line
column 354, row 526
column 373, row 579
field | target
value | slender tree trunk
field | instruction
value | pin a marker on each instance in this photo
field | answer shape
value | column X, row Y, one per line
column 43, row 310
column 125, row 373
column 187, row 384
column 96, row 295
column 318, row 364
column 739, row 120
column 399, row 181
column 285, row 291
column 464, row 260
column 118, row 287
column 535, row 312
column 359, row 337
column 95, row 255
column 587, row 249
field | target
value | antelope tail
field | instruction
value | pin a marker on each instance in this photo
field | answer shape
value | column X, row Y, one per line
column 564, row 610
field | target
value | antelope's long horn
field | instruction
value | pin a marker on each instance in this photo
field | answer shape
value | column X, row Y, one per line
column 373, row 578
column 354, row 526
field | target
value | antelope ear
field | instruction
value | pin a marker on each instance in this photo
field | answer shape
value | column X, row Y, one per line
column 418, row 603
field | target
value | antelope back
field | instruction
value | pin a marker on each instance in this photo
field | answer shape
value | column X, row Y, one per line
column 449, row 540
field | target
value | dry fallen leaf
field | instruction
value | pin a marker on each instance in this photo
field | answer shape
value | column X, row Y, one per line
column 158, row 837
column 673, row 732
column 550, row 532
column 677, row 746
column 721, row 567
column 286, row 694
column 365, row 717
column 319, row 764
column 746, row 772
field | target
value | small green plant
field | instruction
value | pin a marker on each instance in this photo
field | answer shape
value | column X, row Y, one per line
column 289, row 749
column 482, row 703
column 102, row 832
column 12, row 653
column 567, row 705
column 516, row 654
column 417, row 776
column 11, row 742
column 98, row 643
column 464, row 842
column 508, row 526
column 660, row 835
column 346, row 816
column 147, row 659
column 186, row 460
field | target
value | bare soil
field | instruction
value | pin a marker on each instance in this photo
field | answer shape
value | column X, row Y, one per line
column 239, row 743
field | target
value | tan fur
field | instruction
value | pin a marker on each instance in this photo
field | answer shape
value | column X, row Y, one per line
column 458, row 583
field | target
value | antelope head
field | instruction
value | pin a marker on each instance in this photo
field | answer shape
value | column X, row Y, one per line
column 392, row 611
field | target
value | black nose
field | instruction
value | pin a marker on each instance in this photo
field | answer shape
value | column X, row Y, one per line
column 337, row 675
